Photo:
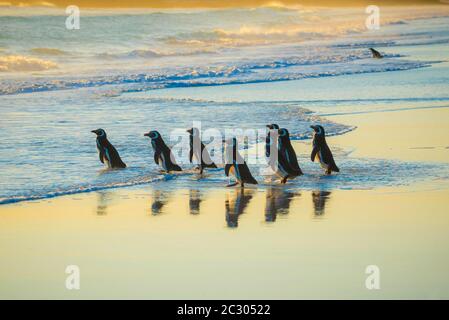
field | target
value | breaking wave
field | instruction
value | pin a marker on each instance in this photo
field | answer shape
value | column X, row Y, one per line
column 13, row 63
column 293, row 68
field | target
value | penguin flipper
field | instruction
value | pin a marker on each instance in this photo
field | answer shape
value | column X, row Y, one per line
column 267, row 146
column 314, row 153
column 157, row 156
column 101, row 155
column 191, row 155
column 227, row 169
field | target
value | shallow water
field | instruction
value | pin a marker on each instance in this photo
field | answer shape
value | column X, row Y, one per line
column 48, row 149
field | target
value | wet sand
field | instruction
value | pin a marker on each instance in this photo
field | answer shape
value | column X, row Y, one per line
column 258, row 243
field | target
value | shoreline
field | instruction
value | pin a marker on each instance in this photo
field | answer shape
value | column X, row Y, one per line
column 153, row 243
column 362, row 140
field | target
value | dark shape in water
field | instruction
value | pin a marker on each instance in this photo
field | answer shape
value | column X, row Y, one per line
column 160, row 199
column 194, row 201
column 102, row 203
column 106, row 151
column 162, row 153
column 376, row 54
column 236, row 206
column 277, row 202
column 236, row 165
column 321, row 152
column 287, row 161
column 319, row 201
column 199, row 151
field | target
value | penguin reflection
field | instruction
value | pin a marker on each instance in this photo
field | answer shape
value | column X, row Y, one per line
column 194, row 201
column 277, row 202
column 160, row 199
column 102, row 203
column 235, row 205
column 319, row 201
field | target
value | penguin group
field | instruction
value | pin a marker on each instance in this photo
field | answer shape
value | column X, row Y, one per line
column 281, row 156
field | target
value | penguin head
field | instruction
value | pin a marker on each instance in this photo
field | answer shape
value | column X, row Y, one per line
column 194, row 132
column 100, row 133
column 283, row 133
column 273, row 126
column 318, row 130
column 153, row 135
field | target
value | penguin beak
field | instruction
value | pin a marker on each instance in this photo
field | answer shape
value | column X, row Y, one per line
column 146, row 134
column 314, row 128
column 94, row 131
column 190, row 131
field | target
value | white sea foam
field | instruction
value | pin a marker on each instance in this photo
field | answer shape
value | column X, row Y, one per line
column 14, row 63
column 77, row 85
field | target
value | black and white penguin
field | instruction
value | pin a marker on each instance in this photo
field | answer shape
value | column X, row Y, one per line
column 236, row 165
column 376, row 54
column 321, row 152
column 287, row 162
column 269, row 139
column 162, row 153
column 106, row 151
column 199, row 151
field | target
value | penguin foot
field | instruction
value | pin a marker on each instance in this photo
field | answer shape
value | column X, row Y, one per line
column 284, row 180
column 232, row 184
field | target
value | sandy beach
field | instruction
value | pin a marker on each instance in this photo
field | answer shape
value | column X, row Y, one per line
column 140, row 233
column 147, row 243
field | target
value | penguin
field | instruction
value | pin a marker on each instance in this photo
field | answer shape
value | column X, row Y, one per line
column 287, row 162
column 162, row 153
column 321, row 152
column 199, row 151
column 106, row 151
column 236, row 165
column 268, row 139
column 376, row 54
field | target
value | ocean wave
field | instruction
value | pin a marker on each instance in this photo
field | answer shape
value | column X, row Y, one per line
column 248, row 35
column 13, row 63
column 82, row 189
column 149, row 54
column 255, row 72
column 391, row 43
column 48, row 51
